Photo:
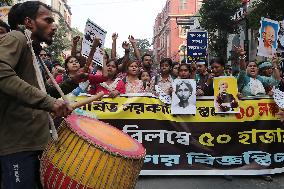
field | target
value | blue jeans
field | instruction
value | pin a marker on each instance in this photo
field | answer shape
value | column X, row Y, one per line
column 21, row 170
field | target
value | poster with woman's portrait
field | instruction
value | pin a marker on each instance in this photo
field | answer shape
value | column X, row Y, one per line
column 225, row 95
column 184, row 96
column 268, row 40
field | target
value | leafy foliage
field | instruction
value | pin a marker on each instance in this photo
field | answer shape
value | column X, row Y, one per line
column 143, row 46
column 216, row 18
column 60, row 41
column 273, row 9
column 6, row 2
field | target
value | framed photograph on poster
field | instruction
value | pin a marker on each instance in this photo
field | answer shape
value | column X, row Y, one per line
column 225, row 95
column 268, row 40
column 184, row 96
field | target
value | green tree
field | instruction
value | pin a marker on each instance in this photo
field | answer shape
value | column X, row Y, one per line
column 273, row 9
column 6, row 2
column 216, row 18
column 60, row 41
column 143, row 46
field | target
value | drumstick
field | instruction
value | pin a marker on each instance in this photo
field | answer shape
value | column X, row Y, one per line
column 87, row 101
column 55, row 83
column 96, row 43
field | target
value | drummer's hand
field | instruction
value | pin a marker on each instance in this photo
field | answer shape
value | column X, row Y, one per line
column 61, row 108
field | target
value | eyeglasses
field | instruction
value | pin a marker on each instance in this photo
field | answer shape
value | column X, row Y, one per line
column 42, row 55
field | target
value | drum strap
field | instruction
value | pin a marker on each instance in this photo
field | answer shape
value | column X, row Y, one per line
column 40, row 80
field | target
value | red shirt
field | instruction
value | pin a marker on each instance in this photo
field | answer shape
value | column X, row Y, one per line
column 98, row 79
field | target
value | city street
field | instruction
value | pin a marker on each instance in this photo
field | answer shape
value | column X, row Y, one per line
column 208, row 182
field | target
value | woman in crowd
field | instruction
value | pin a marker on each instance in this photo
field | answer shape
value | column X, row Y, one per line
column 71, row 66
column 107, row 82
column 145, row 77
column 132, row 83
column 184, row 71
column 174, row 72
column 270, row 74
column 249, row 82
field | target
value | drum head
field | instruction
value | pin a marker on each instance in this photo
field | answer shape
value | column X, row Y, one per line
column 106, row 137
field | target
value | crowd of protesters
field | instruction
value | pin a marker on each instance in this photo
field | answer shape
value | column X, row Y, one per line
column 27, row 94
column 124, row 75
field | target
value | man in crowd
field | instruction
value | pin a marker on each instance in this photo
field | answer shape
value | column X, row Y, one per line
column 201, row 77
column 24, row 130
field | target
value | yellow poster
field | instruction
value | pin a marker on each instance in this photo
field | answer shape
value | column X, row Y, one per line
column 225, row 95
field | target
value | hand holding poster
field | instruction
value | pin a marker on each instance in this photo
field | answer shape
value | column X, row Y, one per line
column 225, row 95
column 93, row 31
column 267, row 45
column 184, row 96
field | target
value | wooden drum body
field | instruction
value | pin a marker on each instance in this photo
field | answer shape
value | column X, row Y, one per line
column 91, row 154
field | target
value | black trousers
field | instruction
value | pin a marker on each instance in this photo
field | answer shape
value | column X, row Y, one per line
column 21, row 170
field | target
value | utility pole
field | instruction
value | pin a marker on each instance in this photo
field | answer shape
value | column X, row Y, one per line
column 246, row 41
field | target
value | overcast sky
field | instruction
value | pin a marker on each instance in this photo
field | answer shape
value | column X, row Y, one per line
column 135, row 17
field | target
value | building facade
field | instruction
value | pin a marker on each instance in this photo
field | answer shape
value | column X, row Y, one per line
column 169, row 38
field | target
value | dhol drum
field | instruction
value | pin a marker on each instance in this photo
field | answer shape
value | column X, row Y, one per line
column 91, row 154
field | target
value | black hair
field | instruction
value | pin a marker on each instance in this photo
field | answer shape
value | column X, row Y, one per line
column 116, row 64
column 66, row 62
column 4, row 25
column 218, row 60
column 187, row 65
column 187, row 85
column 175, row 63
column 146, row 54
column 20, row 11
column 168, row 60
column 142, row 71
column 113, row 60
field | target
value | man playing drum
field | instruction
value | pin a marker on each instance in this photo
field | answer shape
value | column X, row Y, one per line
column 24, row 121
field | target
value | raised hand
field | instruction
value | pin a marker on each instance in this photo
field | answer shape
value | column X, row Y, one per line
column 275, row 59
column 240, row 51
column 97, row 42
column 76, row 39
column 114, row 36
column 131, row 39
column 125, row 45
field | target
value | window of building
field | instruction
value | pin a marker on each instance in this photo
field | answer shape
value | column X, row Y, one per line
column 182, row 4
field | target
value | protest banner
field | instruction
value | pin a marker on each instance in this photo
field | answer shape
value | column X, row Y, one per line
column 247, row 143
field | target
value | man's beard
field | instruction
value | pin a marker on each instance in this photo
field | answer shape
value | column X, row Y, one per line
column 40, row 36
